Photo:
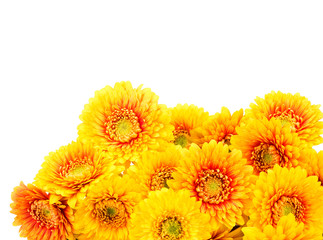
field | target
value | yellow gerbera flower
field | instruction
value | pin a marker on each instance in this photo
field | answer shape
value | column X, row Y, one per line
column 125, row 121
column 156, row 168
column 225, row 233
column 105, row 212
column 265, row 143
column 221, row 179
column 169, row 215
column 41, row 216
column 185, row 118
column 219, row 127
column 303, row 117
column 287, row 228
column 281, row 191
column 312, row 162
column 72, row 169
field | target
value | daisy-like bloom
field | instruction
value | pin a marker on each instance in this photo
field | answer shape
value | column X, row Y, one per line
column 224, row 233
column 72, row 169
column 169, row 215
column 186, row 118
column 266, row 143
column 105, row 212
column 41, row 216
column 156, row 168
column 281, row 191
column 219, row 178
column 312, row 162
column 219, row 127
column 125, row 121
column 287, row 228
column 303, row 117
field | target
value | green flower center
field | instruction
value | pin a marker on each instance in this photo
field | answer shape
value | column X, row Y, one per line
column 286, row 205
column 79, row 171
column 181, row 137
column 287, row 209
column 265, row 156
column 171, row 229
column 122, row 125
column 77, row 168
column 288, row 116
column 111, row 212
column 284, row 121
column 45, row 213
column 268, row 158
column 213, row 186
column 181, row 140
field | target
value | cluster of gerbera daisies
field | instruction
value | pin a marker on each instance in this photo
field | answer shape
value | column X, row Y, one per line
column 140, row 170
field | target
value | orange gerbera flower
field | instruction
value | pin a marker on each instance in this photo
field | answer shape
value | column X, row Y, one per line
column 41, row 216
column 217, row 177
column 125, row 121
column 105, row 212
column 219, row 127
column 303, row 117
column 169, row 215
column 154, row 170
column 265, row 143
column 186, row 118
column 281, row 191
column 72, row 169
column 287, row 228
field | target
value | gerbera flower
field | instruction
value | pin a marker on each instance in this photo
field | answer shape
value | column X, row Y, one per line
column 156, row 168
column 72, row 169
column 219, row 127
column 281, row 191
column 312, row 162
column 303, row 117
column 225, row 233
column 287, row 228
column 217, row 177
column 41, row 216
column 186, row 118
column 125, row 121
column 169, row 215
column 105, row 212
column 265, row 143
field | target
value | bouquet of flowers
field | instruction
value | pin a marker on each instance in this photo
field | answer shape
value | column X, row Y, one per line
column 140, row 170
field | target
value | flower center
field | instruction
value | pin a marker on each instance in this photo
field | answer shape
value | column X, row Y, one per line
column 170, row 228
column 78, row 168
column 288, row 116
column 265, row 156
column 111, row 212
column 286, row 205
column 78, row 171
column 181, row 137
column 213, row 187
column 159, row 179
column 48, row 215
column 122, row 125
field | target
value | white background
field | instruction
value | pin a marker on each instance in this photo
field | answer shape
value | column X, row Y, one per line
column 55, row 55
